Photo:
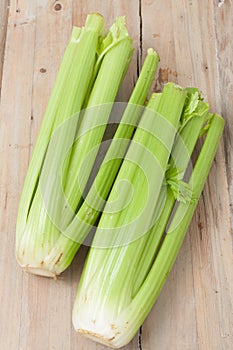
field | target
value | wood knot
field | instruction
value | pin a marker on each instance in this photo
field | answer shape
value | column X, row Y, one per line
column 43, row 70
column 57, row 7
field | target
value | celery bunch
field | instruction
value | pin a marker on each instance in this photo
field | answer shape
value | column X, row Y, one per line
column 133, row 252
column 143, row 194
column 88, row 81
column 91, row 72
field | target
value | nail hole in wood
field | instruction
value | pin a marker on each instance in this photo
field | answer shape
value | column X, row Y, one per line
column 43, row 70
column 18, row 10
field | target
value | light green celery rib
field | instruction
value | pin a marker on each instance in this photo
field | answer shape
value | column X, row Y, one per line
column 117, row 33
column 107, row 280
column 156, row 98
column 87, row 215
column 35, row 233
column 111, row 73
column 57, row 102
column 145, row 298
column 92, row 300
column 144, row 145
column 47, row 219
column 113, row 159
column 181, row 153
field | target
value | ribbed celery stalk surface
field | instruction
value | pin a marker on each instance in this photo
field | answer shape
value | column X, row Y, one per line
column 107, row 281
column 121, row 282
column 35, row 232
column 143, row 194
column 91, row 73
column 90, row 210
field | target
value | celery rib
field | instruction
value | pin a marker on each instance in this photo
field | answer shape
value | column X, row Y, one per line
column 72, row 237
column 115, row 266
column 70, row 77
column 120, row 284
column 35, row 233
column 181, row 153
column 158, row 274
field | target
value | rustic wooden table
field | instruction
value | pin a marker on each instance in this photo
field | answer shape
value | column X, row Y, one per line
column 194, row 40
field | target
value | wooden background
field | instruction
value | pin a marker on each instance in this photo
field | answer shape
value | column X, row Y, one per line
column 194, row 40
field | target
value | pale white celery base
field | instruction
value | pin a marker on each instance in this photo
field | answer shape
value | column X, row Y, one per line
column 35, row 266
column 38, row 271
column 45, row 259
column 114, row 333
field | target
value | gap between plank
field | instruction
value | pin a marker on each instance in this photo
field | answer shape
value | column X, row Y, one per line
column 140, row 339
column 139, row 52
column 139, row 66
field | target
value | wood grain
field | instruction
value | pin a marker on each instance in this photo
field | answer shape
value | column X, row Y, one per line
column 193, row 38
column 4, row 7
column 224, row 19
column 15, row 135
column 196, row 303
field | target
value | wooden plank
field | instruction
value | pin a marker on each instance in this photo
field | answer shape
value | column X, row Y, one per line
column 157, row 32
column 193, row 311
column 14, row 129
column 3, row 25
column 223, row 28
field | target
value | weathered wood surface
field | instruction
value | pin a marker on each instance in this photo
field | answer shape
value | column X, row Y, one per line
column 3, row 25
column 194, row 40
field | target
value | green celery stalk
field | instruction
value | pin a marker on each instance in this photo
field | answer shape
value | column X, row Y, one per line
column 115, row 60
column 157, row 148
column 192, row 122
column 35, row 232
column 108, row 307
column 106, row 285
column 64, row 100
column 112, row 64
column 137, row 311
column 69, row 242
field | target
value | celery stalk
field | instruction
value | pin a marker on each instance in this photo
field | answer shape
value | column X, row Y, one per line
column 158, row 151
column 43, row 248
column 115, row 60
column 35, row 232
column 106, row 285
column 112, row 65
column 182, row 150
column 70, row 240
column 40, row 210
column 64, row 100
column 108, row 307
column 160, row 269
